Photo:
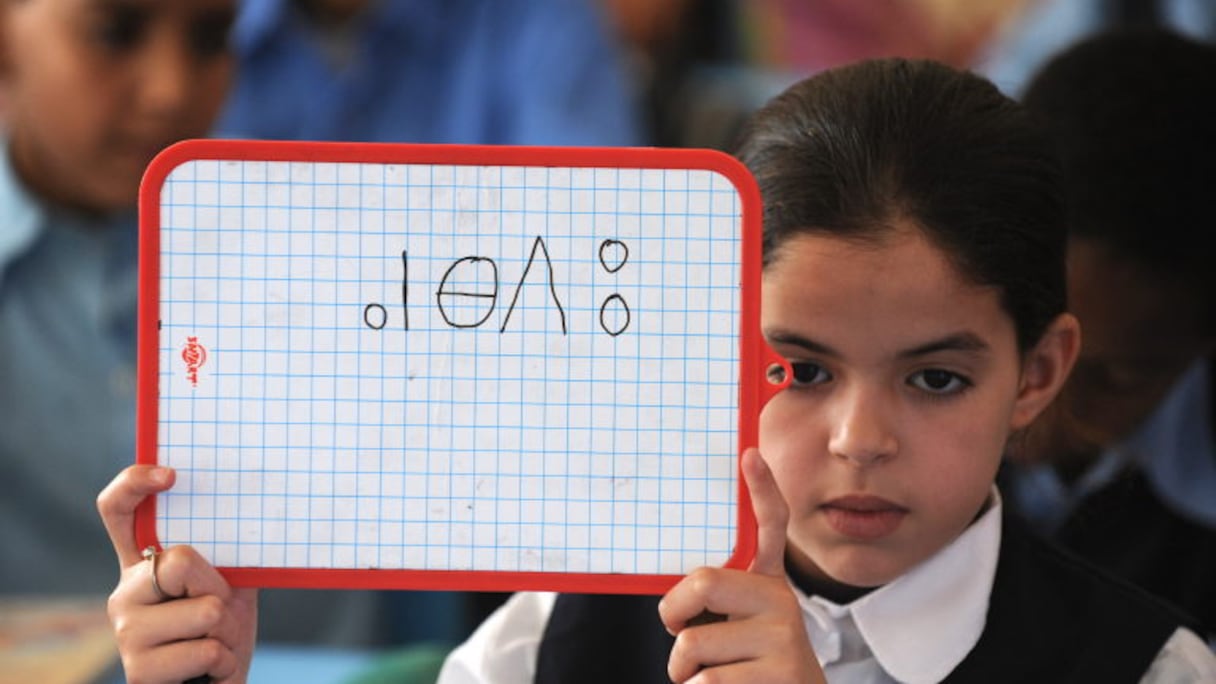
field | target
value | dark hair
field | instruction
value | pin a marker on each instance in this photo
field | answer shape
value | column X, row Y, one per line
column 1133, row 115
column 853, row 150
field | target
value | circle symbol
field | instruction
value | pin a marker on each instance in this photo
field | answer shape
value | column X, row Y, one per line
column 619, row 313
column 613, row 255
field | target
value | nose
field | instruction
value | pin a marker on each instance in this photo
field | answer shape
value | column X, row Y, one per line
column 862, row 431
column 165, row 74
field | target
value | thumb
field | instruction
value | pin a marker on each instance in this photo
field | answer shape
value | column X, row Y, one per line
column 117, row 503
column 772, row 515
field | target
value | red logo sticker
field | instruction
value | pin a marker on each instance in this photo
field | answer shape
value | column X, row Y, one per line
column 195, row 355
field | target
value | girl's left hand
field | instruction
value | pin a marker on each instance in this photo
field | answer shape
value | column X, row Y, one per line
column 763, row 638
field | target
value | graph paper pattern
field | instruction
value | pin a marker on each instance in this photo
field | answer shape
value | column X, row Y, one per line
column 449, row 367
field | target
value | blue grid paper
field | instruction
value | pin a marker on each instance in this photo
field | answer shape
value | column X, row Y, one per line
column 356, row 409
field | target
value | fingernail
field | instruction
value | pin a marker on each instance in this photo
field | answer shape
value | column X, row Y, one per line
column 160, row 475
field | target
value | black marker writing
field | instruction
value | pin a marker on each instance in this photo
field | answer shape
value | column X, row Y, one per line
column 468, row 269
column 468, row 292
column 613, row 255
column 539, row 244
column 375, row 316
column 375, row 312
column 622, row 311
column 617, row 252
column 405, row 287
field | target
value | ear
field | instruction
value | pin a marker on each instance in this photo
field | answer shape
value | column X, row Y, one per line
column 1045, row 367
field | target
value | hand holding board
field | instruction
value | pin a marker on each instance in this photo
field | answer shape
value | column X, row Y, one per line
column 448, row 366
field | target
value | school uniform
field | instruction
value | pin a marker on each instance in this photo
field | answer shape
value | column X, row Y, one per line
column 996, row 605
column 1146, row 510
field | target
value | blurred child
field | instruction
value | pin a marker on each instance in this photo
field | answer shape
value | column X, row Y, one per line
column 914, row 277
column 92, row 90
column 1125, row 472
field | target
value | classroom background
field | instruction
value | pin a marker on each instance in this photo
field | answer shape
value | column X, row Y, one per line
column 669, row 73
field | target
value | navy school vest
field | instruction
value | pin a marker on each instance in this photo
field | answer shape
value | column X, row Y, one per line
column 1127, row 530
column 1051, row 618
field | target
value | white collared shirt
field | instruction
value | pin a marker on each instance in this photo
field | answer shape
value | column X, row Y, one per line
column 880, row 636
column 877, row 639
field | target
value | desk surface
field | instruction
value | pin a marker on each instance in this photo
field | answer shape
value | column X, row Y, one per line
column 68, row 641
column 55, row 640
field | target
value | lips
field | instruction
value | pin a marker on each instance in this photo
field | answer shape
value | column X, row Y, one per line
column 863, row 517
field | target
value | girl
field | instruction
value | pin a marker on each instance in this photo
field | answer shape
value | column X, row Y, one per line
column 914, row 277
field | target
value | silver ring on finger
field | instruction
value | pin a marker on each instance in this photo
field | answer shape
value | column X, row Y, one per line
column 151, row 554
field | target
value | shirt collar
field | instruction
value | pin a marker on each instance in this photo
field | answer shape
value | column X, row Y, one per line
column 21, row 216
column 1177, row 449
column 920, row 626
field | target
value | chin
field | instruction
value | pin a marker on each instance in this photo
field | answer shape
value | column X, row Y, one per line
column 111, row 200
column 105, row 205
column 861, row 567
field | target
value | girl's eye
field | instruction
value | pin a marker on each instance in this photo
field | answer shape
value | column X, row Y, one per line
column 938, row 381
column 807, row 373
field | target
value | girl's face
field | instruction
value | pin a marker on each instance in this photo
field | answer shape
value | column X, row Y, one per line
column 907, row 383
column 93, row 89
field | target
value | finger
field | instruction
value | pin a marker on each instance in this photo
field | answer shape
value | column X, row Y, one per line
column 181, row 572
column 182, row 660
column 772, row 515
column 708, row 646
column 723, row 591
column 143, row 627
column 117, row 503
column 187, row 574
column 732, row 673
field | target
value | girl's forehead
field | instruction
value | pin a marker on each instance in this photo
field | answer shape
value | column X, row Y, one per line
column 895, row 292
column 900, row 247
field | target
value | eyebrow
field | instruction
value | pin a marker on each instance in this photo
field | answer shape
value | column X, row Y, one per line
column 964, row 341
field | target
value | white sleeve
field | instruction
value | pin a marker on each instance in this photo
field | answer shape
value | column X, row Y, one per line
column 503, row 649
column 1184, row 659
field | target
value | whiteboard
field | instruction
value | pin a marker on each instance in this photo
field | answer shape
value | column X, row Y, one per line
column 413, row 366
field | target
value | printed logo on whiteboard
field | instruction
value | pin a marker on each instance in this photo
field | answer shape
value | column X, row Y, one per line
column 195, row 355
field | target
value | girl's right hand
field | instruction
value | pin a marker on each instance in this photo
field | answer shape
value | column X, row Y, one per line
column 209, row 630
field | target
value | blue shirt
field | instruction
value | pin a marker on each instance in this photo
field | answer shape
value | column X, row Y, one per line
column 536, row 72
column 68, row 291
column 1048, row 27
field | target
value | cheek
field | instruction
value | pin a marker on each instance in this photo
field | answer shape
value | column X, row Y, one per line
column 958, row 457
column 785, row 427
column 64, row 122
column 791, row 442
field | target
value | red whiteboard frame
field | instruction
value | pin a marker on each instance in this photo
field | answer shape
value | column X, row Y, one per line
column 754, row 355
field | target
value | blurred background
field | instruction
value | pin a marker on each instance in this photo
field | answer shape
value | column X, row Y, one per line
column 668, row 73
column 702, row 65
